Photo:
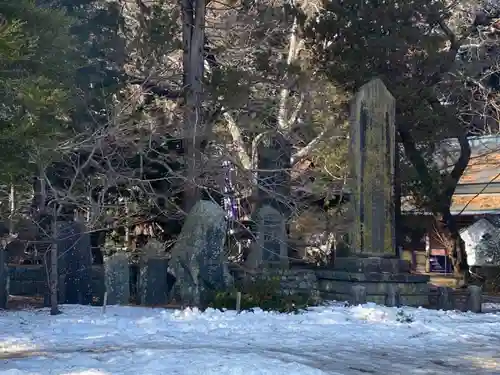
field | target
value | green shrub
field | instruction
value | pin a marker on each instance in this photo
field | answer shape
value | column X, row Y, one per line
column 403, row 317
column 264, row 294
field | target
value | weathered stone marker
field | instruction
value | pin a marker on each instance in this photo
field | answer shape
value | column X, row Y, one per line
column 271, row 238
column 198, row 260
column 273, row 210
column 153, row 281
column 117, row 279
column 373, row 160
column 153, row 287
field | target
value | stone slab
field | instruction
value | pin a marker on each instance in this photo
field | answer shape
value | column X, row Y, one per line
column 117, row 279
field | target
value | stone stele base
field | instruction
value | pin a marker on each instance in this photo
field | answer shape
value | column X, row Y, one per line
column 380, row 277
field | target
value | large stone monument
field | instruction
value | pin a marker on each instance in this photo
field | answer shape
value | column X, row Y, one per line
column 373, row 159
column 199, row 261
column 373, row 273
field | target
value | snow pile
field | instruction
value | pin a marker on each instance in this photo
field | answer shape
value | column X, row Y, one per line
column 332, row 339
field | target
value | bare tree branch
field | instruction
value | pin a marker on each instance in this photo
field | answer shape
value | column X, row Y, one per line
column 237, row 141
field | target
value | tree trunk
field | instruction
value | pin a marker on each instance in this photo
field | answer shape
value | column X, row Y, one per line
column 39, row 193
column 12, row 206
column 440, row 197
column 4, row 294
column 398, row 218
column 54, row 307
column 193, row 20
column 455, row 246
column 427, row 253
column 128, row 236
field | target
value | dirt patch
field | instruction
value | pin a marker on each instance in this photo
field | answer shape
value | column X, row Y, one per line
column 16, row 303
column 54, row 352
column 24, row 302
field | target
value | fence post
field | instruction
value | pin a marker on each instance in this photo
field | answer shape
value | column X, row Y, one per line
column 238, row 301
column 474, row 298
column 358, row 295
column 104, row 302
column 4, row 279
column 444, row 297
column 392, row 297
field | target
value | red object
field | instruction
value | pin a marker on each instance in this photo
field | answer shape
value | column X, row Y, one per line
column 438, row 252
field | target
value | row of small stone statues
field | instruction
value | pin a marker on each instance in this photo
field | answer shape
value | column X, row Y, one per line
column 195, row 266
column 117, row 280
column 153, row 284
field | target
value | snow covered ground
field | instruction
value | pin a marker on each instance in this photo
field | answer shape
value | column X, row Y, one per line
column 334, row 339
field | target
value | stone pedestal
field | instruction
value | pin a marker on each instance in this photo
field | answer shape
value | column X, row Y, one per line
column 385, row 280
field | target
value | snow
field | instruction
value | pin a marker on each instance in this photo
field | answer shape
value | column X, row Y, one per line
column 331, row 339
column 481, row 239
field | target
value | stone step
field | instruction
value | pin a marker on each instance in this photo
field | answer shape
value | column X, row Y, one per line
column 405, row 300
column 354, row 264
column 376, row 288
column 373, row 277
